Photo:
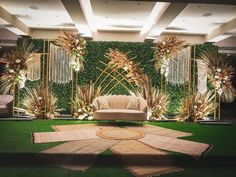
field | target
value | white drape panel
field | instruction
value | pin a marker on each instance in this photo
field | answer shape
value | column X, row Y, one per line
column 202, row 76
column 60, row 71
column 34, row 68
column 178, row 73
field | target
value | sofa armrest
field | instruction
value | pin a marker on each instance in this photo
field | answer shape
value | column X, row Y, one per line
column 143, row 105
column 95, row 105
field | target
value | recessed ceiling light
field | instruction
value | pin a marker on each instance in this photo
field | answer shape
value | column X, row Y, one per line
column 0, row 47
column 33, row 7
column 207, row 14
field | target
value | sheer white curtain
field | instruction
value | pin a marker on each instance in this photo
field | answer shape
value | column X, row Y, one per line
column 179, row 67
column 60, row 71
column 34, row 68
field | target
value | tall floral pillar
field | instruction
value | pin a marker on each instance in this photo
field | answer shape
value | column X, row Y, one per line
column 220, row 73
column 75, row 47
column 164, row 54
column 14, row 75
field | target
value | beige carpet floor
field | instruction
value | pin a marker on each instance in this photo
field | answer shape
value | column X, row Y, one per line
column 142, row 160
column 194, row 149
column 81, row 126
column 76, row 155
column 46, row 137
column 151, row 129
column 142, row 156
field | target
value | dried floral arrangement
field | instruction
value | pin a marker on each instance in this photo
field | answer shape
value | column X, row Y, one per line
column 75, row 46
column 118, row 59
column 197, row 106
column 40, row 102
column 16, row 66
column 220, row 71
column 82, row 104
column 157, row 101
column 165, row 51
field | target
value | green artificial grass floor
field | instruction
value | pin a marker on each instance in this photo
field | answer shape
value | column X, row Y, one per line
column 16, row 147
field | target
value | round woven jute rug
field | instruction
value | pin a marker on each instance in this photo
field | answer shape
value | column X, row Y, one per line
column 120, row 134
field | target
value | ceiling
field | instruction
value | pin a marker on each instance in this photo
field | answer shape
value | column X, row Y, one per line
column 119, row 19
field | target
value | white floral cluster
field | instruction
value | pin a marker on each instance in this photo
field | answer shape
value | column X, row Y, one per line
column 20, row 74
column 219, row 80
column 165, row 68
column 75, row 64
column 198, row 113
column 76, row 53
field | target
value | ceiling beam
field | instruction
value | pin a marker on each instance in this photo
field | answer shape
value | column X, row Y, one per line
column 117, row 36
column 48, row 33
column 226, row 2
column 88, row 14
column 188, row 38
column 75, row 11
column 16, row 26
column 155, row 15
column 168, row 16
column 222, row 32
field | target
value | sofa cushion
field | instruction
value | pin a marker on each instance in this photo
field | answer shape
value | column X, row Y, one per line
column 120, row 114
column 127, row 111
column 103, row 103
column 133, row 103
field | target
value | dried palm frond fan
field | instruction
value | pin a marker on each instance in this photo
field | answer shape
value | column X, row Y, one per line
column 220, row 72
column 121, row 60
column 157, row 101
column 75, row 46
column 197, row 106
column 40, row 102
column 16, row 66
column 165, row 51
column 82, row 104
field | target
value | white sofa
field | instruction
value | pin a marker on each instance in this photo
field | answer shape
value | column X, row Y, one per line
column 118, row 108
column 6, row 102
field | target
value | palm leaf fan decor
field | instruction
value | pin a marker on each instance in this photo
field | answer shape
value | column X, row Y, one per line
column 197, row 107
column 40, row 102
column 157, row 101
column 220, row 71
column 118, row 59
column 16, row 66
column 165, row 51
column 75, row 46
column 82, row 104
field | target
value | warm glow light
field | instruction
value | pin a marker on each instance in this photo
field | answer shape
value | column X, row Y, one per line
column 157, row 11
column 88, row 13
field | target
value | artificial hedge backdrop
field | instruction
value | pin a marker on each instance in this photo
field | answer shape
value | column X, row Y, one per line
column 95, row 51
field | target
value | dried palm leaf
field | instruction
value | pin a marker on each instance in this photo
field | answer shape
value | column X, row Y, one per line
column 75, row 46
column 40, row 102
column 82, row 104
column 197, row 106
column 156, row 100
column 220, row 71
column 118, row 59
column 16, row 66
column 166, row 49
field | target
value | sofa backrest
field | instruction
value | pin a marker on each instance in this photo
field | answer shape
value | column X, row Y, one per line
column 119, row 101
column 5, row 99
